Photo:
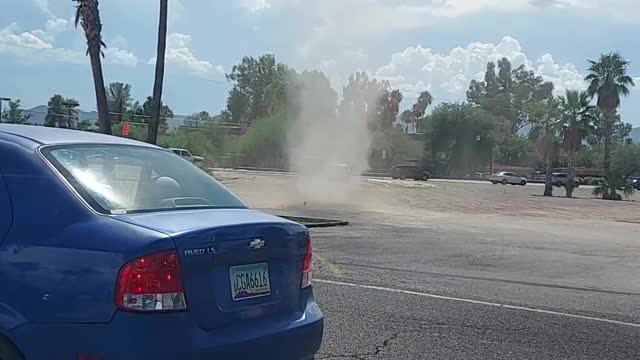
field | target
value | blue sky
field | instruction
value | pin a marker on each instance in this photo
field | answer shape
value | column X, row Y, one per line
column 439, row 45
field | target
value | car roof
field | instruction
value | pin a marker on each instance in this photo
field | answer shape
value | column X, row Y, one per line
column 40, row 135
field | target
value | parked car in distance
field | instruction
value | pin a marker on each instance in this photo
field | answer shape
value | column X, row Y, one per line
column 138, row 254
column 186, row 154
column 635, row 182
column 561, row 179
column 409, row 172
column 538, row 176
column 505, row 178
column 343, row 169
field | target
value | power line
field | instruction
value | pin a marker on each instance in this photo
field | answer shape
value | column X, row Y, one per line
column 223, row 125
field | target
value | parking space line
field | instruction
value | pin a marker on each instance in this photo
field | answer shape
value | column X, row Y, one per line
column 477, row 302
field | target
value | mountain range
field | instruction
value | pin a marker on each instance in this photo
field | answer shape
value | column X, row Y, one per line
column 39, row 113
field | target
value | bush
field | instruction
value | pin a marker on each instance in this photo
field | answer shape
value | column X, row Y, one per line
column 263, row 145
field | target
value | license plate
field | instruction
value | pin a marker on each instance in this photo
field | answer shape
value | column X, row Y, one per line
column 249, row 281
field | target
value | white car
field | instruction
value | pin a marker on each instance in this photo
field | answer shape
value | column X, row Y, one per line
column 186, row 154
column 505, row 178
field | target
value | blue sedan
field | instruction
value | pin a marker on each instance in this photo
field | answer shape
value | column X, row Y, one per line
column 112, row 249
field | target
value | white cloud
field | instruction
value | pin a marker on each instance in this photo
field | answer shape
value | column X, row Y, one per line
column 621, row 9
column 179, row 54
column 448, row 76
column 57, row 25
column 120, row 57
column 44, row 6
column 256, row 6
column 38, row 45
column 118, row 41
column 34, row 40
column 220, row 69
column 381, row 15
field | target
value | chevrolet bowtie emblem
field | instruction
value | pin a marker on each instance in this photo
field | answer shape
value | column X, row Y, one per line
column 256, row 244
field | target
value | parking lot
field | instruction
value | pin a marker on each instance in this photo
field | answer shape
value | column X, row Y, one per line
column 466, row 270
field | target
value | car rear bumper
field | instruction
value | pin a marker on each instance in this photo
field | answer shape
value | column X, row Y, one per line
column 175, row 336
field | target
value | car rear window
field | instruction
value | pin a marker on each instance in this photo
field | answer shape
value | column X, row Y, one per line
column 121, row 179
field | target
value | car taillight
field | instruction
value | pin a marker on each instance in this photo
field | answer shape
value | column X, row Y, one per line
column 151, row 283
column 306, row 265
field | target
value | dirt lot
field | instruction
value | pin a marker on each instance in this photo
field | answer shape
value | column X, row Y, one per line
column 410, row 201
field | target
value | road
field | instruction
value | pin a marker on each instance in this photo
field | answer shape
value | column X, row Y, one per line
column 464, row 270
column 440, row 293
column 288, row 174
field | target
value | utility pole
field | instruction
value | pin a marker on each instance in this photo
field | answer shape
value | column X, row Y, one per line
column 1, row 100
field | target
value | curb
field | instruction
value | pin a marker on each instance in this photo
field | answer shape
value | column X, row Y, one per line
column 315, row 222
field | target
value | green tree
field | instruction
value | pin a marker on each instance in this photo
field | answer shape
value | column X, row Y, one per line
column 625, row 163
column 260, row 89
column 62, row 112
column 577, row 120
column 264, row 144
column 621, row 131
column 15, row 114
column 118, row 100
column 546, row 120
column 142, row 113
column 84, row 125
column 590, row 156
column 198, row 120
column 88, row 15
column 311, row 97
column 418, row 111
column 392, row 146
column 388, row 108
column 155, row 115
column 516, row 150
column 459, row 137
column 361, row 98
column 608, row 80
column 509, row 92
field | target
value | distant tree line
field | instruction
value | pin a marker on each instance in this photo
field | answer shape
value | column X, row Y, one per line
column 510, row 117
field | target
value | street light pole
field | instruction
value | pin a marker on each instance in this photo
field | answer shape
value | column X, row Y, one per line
column 1, row 100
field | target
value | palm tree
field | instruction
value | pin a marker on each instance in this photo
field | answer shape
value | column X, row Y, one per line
column 61, row 112
column 88, row 15
column 578, row 118
column 545, row 119
column 419, row 109
column 118, row 99
column 156, row 105
column 608, row 80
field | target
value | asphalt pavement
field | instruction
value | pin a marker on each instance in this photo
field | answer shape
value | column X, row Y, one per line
column 464, row 291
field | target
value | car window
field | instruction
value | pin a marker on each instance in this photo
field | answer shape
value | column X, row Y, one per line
column 175, row 151
column 115, row 178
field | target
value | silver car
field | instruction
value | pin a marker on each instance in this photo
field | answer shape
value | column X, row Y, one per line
column 505, row 178
column 562, row 179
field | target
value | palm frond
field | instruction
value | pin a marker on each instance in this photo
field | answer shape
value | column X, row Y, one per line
column 626, row 79
column 599, row 190
column 624, row 90
column 77, row 20
column 628, row 191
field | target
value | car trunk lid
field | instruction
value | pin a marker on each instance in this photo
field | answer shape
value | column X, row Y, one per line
column 223, row 252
